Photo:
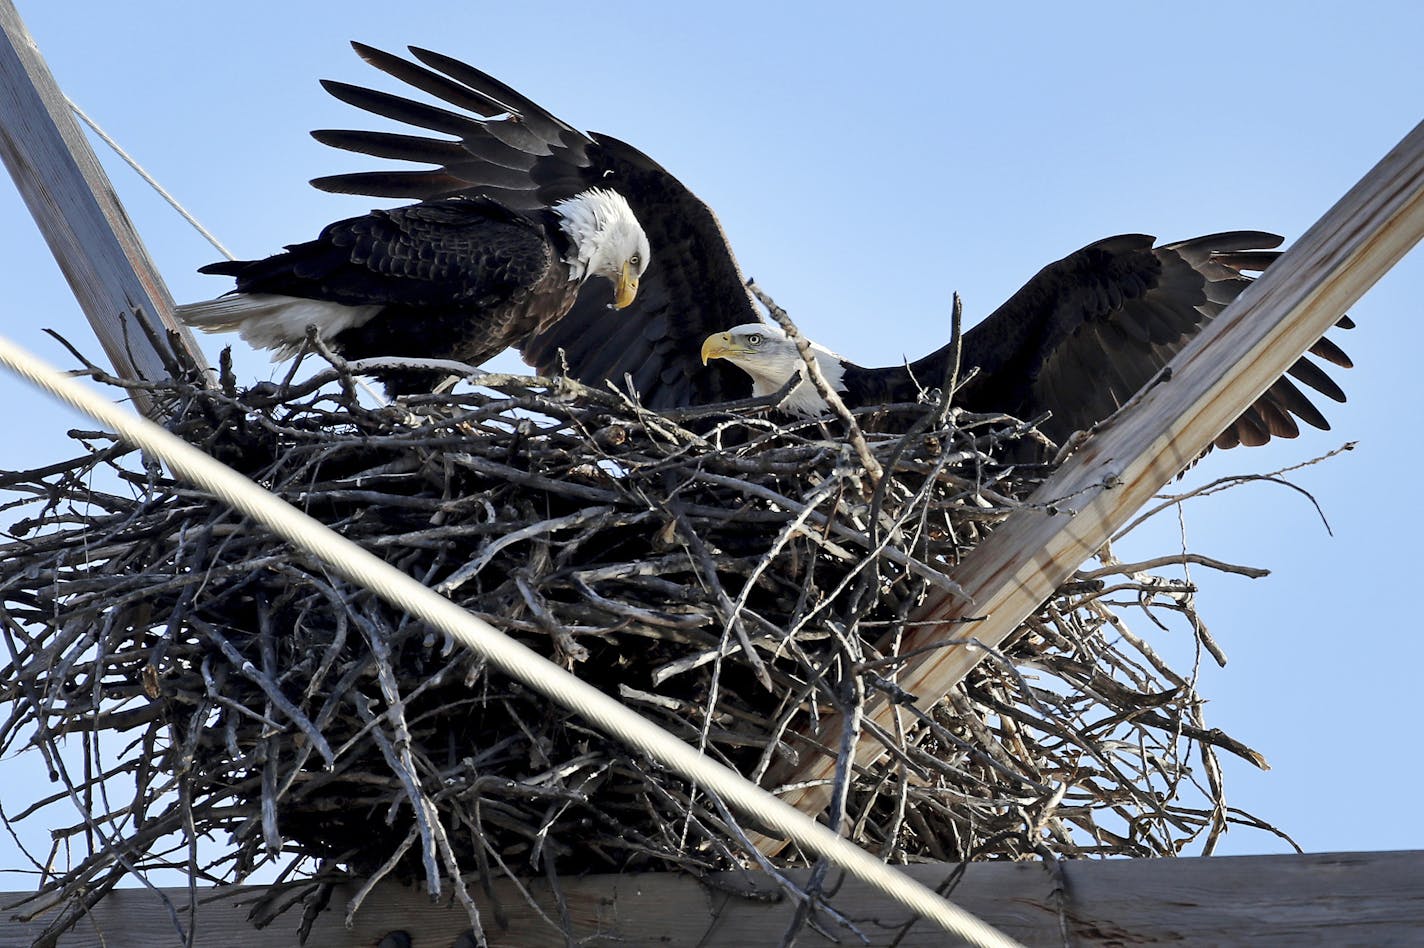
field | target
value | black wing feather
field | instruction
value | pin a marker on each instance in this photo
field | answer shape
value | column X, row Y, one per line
column 390, row 145
column 407, row 185
column 539, row 120
column 397, row 108
column 1314, row 376
column 461, row 95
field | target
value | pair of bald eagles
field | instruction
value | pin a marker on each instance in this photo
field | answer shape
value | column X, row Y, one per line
column 593, row 261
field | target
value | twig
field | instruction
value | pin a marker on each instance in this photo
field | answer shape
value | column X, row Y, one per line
column 823, row 388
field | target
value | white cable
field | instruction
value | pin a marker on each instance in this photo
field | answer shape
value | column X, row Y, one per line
column 511, row 657
column 153, row 182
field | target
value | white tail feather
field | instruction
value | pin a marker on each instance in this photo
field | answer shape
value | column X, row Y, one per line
column 268, row 321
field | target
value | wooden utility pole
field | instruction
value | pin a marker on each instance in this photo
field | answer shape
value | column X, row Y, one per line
column 57, row 173
column 1140, row 449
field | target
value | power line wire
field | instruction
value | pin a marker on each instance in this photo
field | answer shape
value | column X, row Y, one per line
column 152, row 181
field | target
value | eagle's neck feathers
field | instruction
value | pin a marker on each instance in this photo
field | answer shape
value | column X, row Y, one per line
column 804, row 399
column 770, row 372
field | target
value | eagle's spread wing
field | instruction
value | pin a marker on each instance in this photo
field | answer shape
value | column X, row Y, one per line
column 510, row 149
column 1087, row 332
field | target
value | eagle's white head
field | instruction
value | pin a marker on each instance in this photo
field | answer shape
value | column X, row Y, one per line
column 607, row 241
column 762, row 351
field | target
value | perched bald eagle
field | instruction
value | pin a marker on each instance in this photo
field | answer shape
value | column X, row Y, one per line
column 1078, row 339
column 509, row 149
column 460, row 278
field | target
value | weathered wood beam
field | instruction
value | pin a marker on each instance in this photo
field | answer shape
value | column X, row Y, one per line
column 1140, row 449
column 116, row 283
column 1330, row 899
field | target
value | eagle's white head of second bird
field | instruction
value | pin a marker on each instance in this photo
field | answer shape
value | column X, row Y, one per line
column 762, row 351
column 607, row 241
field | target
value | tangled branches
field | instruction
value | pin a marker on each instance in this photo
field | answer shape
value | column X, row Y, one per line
column 720, row 570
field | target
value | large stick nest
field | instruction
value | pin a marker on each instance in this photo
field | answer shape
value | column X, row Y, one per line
column 187, row 676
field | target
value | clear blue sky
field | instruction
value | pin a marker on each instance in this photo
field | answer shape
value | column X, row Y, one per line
column 866, row 161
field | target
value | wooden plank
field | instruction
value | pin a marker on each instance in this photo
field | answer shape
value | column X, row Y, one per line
column 72, row 201
column 1324, row 899
column 1143, row 447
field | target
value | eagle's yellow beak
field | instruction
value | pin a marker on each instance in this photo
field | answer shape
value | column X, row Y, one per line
column 626, row 289
column 718, row 346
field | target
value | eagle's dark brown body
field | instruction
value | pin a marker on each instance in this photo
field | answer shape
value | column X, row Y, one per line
column 459, row 278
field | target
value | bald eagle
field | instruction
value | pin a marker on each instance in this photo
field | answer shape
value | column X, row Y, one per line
column 1084, row 335
column 508, row 148
column 1078, row 339
column 461, row 277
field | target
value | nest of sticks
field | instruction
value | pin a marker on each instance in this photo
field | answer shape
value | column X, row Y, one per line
column 185, row 676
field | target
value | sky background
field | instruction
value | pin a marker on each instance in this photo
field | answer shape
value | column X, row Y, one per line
column 866, row 161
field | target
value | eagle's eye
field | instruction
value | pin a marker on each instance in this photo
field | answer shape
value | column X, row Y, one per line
column 754, row 339
column 636, row 259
